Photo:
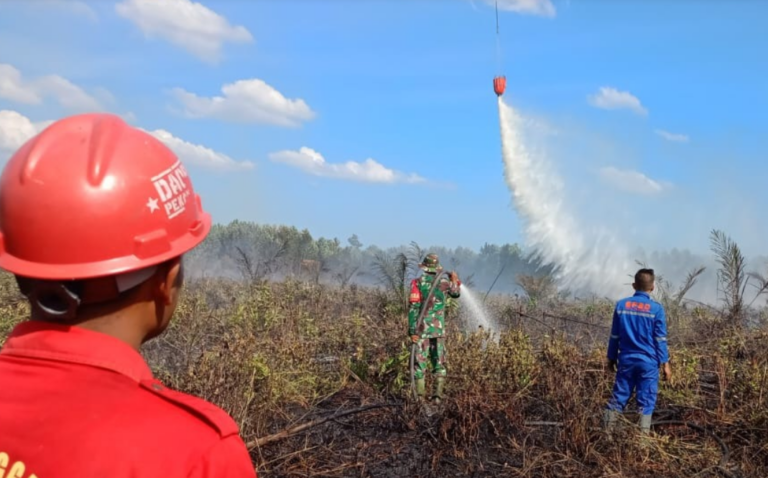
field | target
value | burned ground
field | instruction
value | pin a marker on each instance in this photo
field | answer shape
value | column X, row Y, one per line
column 279, row 355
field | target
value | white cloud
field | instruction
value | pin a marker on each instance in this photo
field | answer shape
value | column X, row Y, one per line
column 184, row 23
column 198, row 154
column 680, row 138
column 312, row 162
column 631, row 181
column 80, row 8
column 129, row 117
column 16, row 129
column 247, row 101
column 12, row 87
column 611, row 99
column 73, row 6
column 16, row 88
column 543, row 8
column 67, row 94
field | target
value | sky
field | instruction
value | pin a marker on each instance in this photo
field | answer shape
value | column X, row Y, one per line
column 378, row 118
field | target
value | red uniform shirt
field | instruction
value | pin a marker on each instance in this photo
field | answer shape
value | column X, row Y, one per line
column 79, row 404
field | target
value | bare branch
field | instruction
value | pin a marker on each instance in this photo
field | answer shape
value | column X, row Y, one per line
column 690, row 281
column 312, row 423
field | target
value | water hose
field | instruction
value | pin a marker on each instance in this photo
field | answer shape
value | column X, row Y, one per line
column 418, row 326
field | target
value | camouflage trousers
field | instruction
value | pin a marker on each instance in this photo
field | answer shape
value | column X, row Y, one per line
column 432, row 351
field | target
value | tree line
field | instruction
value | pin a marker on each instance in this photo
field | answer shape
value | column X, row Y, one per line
column 256, row 252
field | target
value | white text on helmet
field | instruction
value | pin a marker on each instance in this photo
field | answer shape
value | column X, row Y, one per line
column 171, row 186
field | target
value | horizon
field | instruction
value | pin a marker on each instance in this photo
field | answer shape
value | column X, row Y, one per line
column 220, row 256
column 752, row 260
column 654, row 124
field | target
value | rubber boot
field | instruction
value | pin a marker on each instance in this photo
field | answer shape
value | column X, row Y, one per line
column 645, row 432
column 610, row 417
column 645, row 423
column 421, row 388
column 439, row 388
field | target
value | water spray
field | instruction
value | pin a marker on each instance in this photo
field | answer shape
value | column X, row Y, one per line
column 584, row 264
column 594, row 264
column 477, row 312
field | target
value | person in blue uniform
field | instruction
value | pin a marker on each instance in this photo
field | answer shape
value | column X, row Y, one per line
column 637, row 351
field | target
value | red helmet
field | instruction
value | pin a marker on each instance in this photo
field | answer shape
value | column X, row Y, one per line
column 92, row 196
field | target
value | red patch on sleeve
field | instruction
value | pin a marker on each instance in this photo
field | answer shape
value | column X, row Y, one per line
column 415, row 293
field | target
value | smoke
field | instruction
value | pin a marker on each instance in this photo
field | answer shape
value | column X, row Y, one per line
column 572, row 228
column 587, row 255
column 587, row 260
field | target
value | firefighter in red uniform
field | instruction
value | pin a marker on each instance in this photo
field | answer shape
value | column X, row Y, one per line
column 94, row 218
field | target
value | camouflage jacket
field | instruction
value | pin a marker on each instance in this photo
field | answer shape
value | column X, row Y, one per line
column 433, row 324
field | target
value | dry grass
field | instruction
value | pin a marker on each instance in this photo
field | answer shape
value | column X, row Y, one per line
column 275, row 355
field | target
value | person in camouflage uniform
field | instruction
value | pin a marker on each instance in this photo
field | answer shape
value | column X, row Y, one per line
column 430, row 335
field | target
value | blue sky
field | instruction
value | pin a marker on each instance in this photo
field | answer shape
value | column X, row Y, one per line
column 674, row 91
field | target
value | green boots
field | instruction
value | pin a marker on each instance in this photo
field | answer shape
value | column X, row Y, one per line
column 439, row 388
column 420, row 387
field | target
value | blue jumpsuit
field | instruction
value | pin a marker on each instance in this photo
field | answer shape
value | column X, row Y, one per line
column 639, row 343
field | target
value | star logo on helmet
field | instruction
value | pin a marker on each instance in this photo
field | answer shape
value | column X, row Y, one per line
column 152, row 204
